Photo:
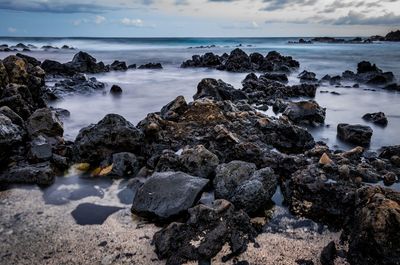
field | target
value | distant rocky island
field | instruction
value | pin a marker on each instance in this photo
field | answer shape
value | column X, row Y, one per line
column 391, row 36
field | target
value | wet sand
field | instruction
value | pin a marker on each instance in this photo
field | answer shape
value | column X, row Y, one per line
column 33, row 232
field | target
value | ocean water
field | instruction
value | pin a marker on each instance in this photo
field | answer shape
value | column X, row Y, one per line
column 147, row 91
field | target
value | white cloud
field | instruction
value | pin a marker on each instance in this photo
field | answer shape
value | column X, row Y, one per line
column 132, row 22
column 255, row 24
column 12, row 30
column 99, row 19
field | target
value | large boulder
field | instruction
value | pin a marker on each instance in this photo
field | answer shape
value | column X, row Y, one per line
column 199, row 161
column 52, row 67
column 41, row 173
column 355, row 134
column 11, row 135
column 44, row 121
column 118, row 66
column 310, row 193
column 217, row 90
column 113, row 134
column 33, row 61
column 78, row 83
column 3, row 75
column 247, row 188
column 393, row 36
column 375, row 233
column 124, row 165
column 307, row 77
column 206, row 232
column 238, row 61
column 172, row 110
column 85, row 63
column 305, row 112
column 167, row 194
column 378, row 118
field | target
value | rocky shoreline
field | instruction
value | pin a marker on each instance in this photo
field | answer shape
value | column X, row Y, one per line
column 205, row 169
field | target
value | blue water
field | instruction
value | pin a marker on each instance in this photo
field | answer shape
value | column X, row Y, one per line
column 148, row 90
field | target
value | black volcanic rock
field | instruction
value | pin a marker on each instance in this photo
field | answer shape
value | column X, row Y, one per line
column 204, row 234
column 356, row 134
column 151, row 66
column 377, row 118
column 113, row 134
column 393, row 36
column 167, row 194
column 218, row 90
column 239, row 61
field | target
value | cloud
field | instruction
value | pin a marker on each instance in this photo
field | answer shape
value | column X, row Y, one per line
column 56, row 6
column 355, row 18
column 95, row 20
column 12, row 30
column 242, row 25
column 99, row 19
column 273, row 5
column 132, row 22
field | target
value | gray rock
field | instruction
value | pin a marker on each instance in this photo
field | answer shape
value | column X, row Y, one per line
column 246, row 188
column 44, row 121
column 10, row 136
column 378, row 118
column 172, row 110
column 199, row 161
column 356, row 134
column 167, row 194
column 218, row 90
column 305, row 111
column 40, row 149
column 124, row 165
column 41, row 173
column 113, row 134
column 14, row 117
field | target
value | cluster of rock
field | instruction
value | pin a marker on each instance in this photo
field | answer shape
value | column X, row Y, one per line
column 331, row 189
column 239, row 61
column 391, row 36
column 29, row 47
column 31, row 142
column 83, row 62
column 367, row 73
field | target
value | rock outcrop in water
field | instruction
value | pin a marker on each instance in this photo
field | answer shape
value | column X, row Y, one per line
column 356, row 134
column 378, row 118
column 239, row 61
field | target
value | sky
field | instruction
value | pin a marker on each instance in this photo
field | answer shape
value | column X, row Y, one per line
column 198, row 18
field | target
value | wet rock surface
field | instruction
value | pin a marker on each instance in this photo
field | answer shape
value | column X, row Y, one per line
column 247, row 188
column 239, row 61
column 378, row 118
column 305, row 112
column 167, row 194
column 113, row 134
column 356, row 134
column 374, row 238
column 205, row 233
